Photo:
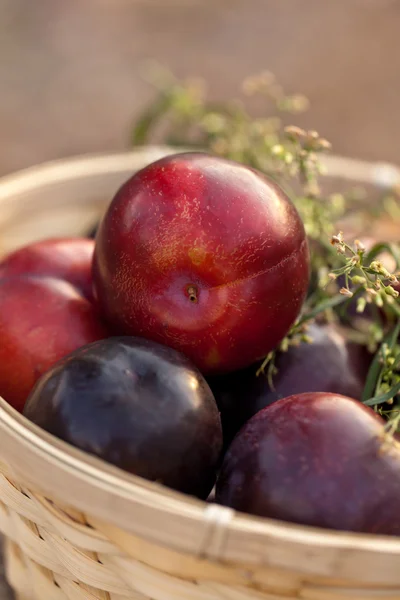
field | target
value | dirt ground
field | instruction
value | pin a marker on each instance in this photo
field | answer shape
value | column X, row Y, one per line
column 71, row 71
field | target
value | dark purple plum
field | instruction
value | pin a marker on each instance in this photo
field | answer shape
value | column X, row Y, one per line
column 315, row 459
column 138, row 405
column 329, row 364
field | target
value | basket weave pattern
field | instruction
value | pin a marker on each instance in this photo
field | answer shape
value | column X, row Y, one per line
column 77, row 530
column 55, row 554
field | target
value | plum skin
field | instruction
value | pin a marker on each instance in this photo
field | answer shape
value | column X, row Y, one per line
column 329, row 364
column 138, row 405
column 203, row 255
column 41, row 320
column 69, row 259
column 315, row 459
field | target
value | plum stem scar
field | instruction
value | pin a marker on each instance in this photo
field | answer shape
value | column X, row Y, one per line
column 192, row 292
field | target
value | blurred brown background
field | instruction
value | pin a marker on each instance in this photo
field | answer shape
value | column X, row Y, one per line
column 70, row 70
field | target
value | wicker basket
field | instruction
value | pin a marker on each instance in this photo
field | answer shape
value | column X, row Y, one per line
column 77, row 528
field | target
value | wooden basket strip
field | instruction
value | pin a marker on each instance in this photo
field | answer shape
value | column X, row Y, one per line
column 78, row 534
column 42, row 581
column 170, row 561
column 60, row 557
column 317, row 593
column 42, row 512
column 16, row 571
column 192, row 568
column 76, row 591
column 20, row 502
column 75, row 564
column 25, row 534
column 348, row 594
column 158, row 585
column 243, row 593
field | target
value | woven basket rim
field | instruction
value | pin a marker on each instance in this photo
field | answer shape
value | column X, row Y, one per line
column 54, row 468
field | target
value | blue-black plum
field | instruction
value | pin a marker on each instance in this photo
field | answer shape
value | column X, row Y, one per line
column 138, row 405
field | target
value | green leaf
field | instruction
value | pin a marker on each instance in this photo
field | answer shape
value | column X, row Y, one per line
column 394, row 335
column 372, row 377
column 322, row 307
column 383, row 397
column 375, row 368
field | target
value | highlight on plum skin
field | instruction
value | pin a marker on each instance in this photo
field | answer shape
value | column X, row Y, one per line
column 203, row 255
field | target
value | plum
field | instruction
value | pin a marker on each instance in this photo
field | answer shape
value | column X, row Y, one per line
column 138, row 405
column 41, row 320
column 64, row 258
column 315, row 459
column 203, row 255
column 329, row 364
